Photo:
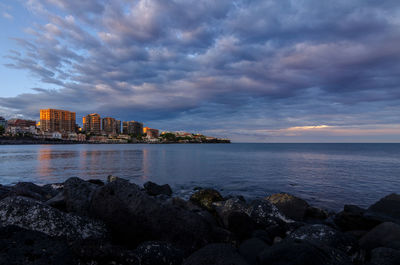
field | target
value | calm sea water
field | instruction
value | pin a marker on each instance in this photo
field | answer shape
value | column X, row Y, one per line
column 327, row 175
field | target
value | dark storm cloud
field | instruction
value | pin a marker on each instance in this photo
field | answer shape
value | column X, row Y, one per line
column 272, row 64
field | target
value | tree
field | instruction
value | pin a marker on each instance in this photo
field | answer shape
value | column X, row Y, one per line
column 2, row 130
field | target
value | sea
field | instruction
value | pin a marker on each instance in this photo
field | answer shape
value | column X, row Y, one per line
column 326, row 175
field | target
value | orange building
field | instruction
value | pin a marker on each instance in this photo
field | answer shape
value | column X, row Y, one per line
column 92, row 123
column 151, row 133
column 53, row 120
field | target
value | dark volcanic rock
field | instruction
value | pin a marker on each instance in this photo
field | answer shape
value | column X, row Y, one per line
column 251, row 248
column 294, row 252
column 314, row 213
column 4, row 191
column 240, row 224
column 134, row 217
column 291, row 206
column 216, row 254
column 78, row 194
column 385, row 256
column 322, row 235
column 386, row 209
column 159, row 253
column 263, row 235
column 206, row 197
column 58, row 202
column 381, row 236
column 154, row 189
column 19, row 246
column 30, row 214
column 98, row 182
column 98, row 252
column 352, row 218
column 28, row 189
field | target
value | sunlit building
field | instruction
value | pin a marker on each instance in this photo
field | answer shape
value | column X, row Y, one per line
column 132, row 127
column 111, row 125
column 92, row 123
column 151, row 133
column 53, row 120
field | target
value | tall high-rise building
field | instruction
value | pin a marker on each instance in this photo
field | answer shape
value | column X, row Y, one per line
column 111, row 125
column 92, row 123
column 53, row 120
column 3, row 122
column 132, row 127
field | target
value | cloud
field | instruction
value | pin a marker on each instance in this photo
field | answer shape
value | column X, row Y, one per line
column 269, row 65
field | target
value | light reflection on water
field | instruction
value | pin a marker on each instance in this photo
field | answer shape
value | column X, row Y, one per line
column 328, row 175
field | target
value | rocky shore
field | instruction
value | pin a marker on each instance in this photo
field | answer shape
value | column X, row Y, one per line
column 118, row 222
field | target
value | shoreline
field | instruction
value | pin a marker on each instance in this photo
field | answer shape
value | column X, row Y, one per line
column 114, row 221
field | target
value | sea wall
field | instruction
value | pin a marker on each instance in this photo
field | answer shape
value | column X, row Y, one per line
column 118, row 222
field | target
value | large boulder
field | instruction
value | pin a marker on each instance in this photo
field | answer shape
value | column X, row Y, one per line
column 240, row 224
column 291, row 206
column 134, row 217
column 31, row 214
column 4, row 191
column 381, row 236
column 385, row 256
column 154, row 189
column 78, row 194
column 28, row 189
column 386, row 209
column 297, row 252
column 21, row 246
column 206, row 197
column 322, row 235
column 159, row 253
column 251, row 248
column 216, row 254
column 352, row 218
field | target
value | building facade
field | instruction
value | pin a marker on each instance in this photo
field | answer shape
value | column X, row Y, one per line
column 132, row 127
column 92, row 123
column 53, row 120
column 111, row 125
column 151, row 133
column 3, row 122
column 15, row 126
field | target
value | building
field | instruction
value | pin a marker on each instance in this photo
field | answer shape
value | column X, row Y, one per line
column 132, row 127
column 3, row 122
column 16, row 126
column 53, row 120
column 151, row 133
column 92, row 123
column 111, row 125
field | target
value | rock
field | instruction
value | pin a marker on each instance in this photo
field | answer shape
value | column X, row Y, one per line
column 4, row 191
column 78, row 194
column 322, row 235
column 385, row 256
column 21, row 246
column 93, row 252
column 98, row 182
column 111, row 178
column 28, row 189
column 58, row 202
column 386, row 209
column 134, row 217
column 240, row 224
column 154, row 189
column 291, row 206
column 263, row 235
column 314, row 213
column 380, row 236
column 216, row 254
column 352, row 218
column 291, row 252
column 159, row 253
column 205, row 198
column 31, row 214
column 251, row 248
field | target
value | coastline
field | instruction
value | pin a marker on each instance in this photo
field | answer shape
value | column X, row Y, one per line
column 114, row 221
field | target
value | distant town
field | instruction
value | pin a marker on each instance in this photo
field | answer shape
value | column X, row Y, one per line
column 59, row 126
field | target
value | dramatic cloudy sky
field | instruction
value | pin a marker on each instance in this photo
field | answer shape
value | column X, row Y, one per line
column 251, row 70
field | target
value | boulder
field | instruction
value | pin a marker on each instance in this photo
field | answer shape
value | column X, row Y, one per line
column 21, row 246
column 297, row 252
column 58, row 202
column 263, row 235
column 386, row 209
column 28, row 189
column 134, row 217
column 381, row 236
column 98, row 182
column 251, row 248
column 78, row 194
column 314, row 213
column 322, row 235
column 291, row 206
column 4, row 191
column 216, row 254
column 352, row 218
column 154, row 189
column 240, row 224
column 385, row 256
column 34, row 215
column 159, row 253
column 205, row 198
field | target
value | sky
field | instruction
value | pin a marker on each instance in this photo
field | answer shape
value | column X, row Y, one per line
column 249, row 70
